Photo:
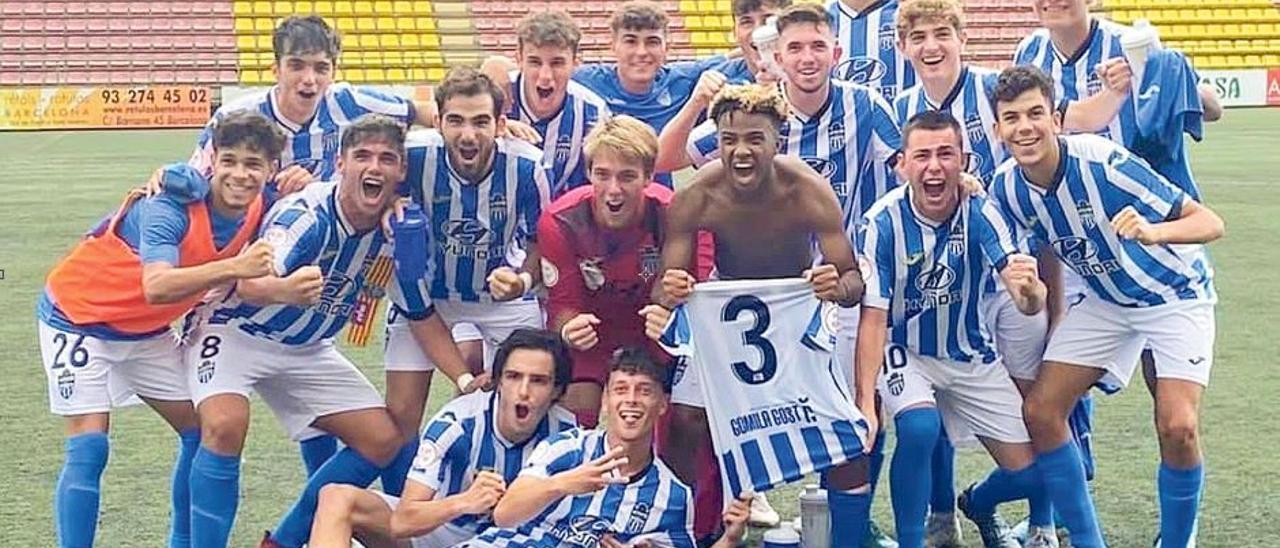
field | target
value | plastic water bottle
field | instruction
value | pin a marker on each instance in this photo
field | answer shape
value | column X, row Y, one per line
column 782, row 537
column 1138, row 42
column 815, row 521
column 411, row 244
column 765, row 40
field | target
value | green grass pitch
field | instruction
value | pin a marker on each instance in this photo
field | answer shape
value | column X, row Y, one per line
column 54, row 185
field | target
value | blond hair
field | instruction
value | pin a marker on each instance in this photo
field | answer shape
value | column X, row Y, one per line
column 625, row 137
column 914, row 12
column 750, row 99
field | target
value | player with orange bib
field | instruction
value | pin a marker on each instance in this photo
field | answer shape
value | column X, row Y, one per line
column 104, row 316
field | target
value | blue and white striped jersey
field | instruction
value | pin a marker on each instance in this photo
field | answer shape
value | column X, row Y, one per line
column 1095, row 180
column 314, row 143
column 463, row 439
column 1074, row 73
column 777, row 404
column 654, row 506
column 969, row 102
column 851, row 142
column 930, row 277
column 563, row 133
column 869, row 41
column 475, row 227
column 308, row 228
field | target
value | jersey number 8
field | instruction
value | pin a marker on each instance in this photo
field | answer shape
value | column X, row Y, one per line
column 753, row 337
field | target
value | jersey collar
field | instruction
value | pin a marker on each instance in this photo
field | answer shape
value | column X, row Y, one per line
column 523, row 103
column 802, row 117
column 278, row 115
column 1080, row 51
column 1058, row 174
column 467, row 182
column 952, row 95
column 341, row 216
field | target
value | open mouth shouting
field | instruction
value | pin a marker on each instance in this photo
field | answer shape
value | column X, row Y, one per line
column 631, row 418
column 522, row 411
column 371, row 187
column 934, row 188
column 544, row 93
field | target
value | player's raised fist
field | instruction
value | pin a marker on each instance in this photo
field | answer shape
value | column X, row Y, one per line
column 677, row 285
column 292, row 179
column 303, row 287
column 255, row 261
column 1131, row 225
column 656, row 318
column 484, row 493
column 1021, row 273
column 506, row 284
column 709, row 84
column 825, row 280
column 580, row 331
column 1116, row 75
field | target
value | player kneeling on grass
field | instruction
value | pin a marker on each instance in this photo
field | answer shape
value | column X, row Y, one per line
column 1135, row 239
column 470, row 451
column 606, row 487
column 927, row 249
column 285, row 352
column 105, row 312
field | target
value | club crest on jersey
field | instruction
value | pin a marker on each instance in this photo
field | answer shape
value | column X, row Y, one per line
column 639, row 516
column 955, row 242
column 888, row 36
column 564, row 147
column 592, row 273
column 973, row 126
column 204, row 372
column 497, row 207
column 860, row 70
column 330, row 141
column 1085, row 210
column 835, row 137
column 650, row 260
column 581, row 531
column 1094, row 84
column 66, row 384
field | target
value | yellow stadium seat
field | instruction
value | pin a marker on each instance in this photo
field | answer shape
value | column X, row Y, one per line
column 417, row 74
column 363, row 8
column 706, row 6
column 383, row 7
column 366, row 24
column 245, row 42
column 389, row 41
column 374, row 75
column 693, row 22
column 386, row 24
column 262, row 8
column 420, row 7
column 688, row 7
column 263, row 24
column 404, row 23
column 343, row 7
column 393, row 58
column 242, row 7
column 396, row 75
column 1253, row 61
column 429, row 40
column 244, row 25
column 425, row 23
column 264, row 43
column 298, row 7
column 368, row 41
column 722, row 6
column 435, row 74
column 409, row 41
column 699, row 39
column 250, row 77
column 402, row 7
column 1272, row 60
column 324, row 7
column 1249, row 30
column 346, row 24
column 353, row 75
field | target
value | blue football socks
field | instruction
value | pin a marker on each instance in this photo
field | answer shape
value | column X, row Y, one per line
column 850, row 516
column 347, row 467
column 316, row 451
column 942, row 494
column 180, row 490
column 1179, row 503
column 215, row 495
column 78, row 490
column 394, row 474
column 1063, row 474
column 909, row 477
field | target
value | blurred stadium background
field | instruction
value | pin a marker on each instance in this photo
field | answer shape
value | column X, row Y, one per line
column 123, row 66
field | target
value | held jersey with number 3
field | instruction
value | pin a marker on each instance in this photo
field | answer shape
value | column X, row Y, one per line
column 777, row 406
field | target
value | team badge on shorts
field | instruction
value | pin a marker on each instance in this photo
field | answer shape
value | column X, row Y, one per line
column 204, row 372
column 66, row 384
column 649, row 263
column 592, row 273
column 896, row 383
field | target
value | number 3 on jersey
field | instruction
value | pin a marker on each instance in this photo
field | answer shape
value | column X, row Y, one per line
column 754, row 336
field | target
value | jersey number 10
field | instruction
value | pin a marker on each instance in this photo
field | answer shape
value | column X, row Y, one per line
column 753, row 336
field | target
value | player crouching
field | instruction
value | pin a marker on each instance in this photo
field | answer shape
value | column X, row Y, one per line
column 470, row 451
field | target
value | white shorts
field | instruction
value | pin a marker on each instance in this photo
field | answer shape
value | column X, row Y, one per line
column 299, row 383
column 1099, row 334
column 90, row 375
column 1019, row 338
column 977, row 398
column 443, row 536
column 493, row 321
